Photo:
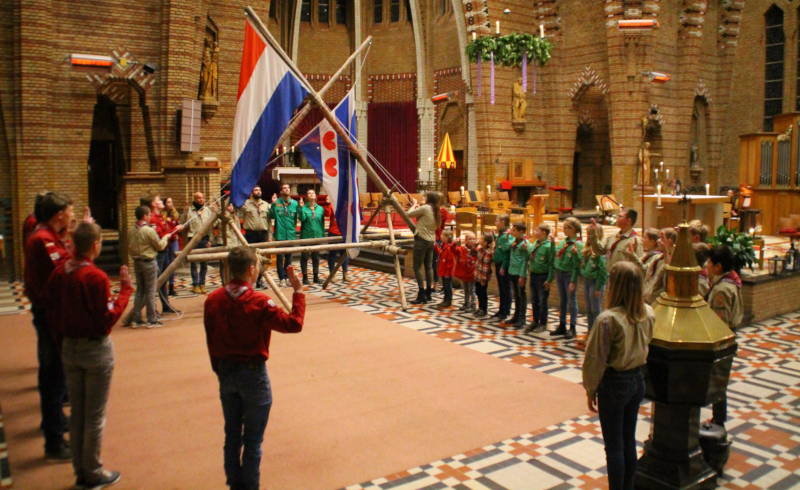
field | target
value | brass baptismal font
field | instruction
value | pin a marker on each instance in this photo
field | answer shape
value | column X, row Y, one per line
column 688, row 367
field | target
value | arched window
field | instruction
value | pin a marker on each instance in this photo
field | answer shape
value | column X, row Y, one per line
column 305, row 10
column 377, row 11
column 394, row 10
column 773, row 65
column 341, row 11
column 323, row 11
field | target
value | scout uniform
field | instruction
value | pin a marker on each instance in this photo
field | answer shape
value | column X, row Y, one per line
column 284, row 212
column 540, row 268
column 195, row 218
column 566, row 268
column 595, row 275
column 614, row 247
column 312, row 225
column 255, row 220
column 501, row 259
column 652, row 264
column 518, row 268
column 143, row 246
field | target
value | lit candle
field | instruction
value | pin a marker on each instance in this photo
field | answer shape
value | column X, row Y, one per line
column 474, row 36
column 667, row 174
column 292, row 148
column 708, row 189
column 752, row 232
column 541, row 30
column 658, row 195
column 462, row 190
column 597, row 208
column 497, row 27
column 661, row 164
column 488, row 190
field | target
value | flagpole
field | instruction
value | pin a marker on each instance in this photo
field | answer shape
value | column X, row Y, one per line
column 298, row 118
column 326, row 112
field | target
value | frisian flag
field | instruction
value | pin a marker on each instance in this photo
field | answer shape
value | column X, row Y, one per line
column 268, row 95
column 336, row 168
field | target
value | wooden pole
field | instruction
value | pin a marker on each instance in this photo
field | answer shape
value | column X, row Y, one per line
column 398, row 272
column 297, row 119
column 287, row 243
column 386, row 245
column 183, row 254
column 330, row 117
column 332, row 272
column 272, row 285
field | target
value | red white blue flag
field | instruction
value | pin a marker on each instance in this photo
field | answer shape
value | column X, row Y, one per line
column 336, row 168
column 268, row 95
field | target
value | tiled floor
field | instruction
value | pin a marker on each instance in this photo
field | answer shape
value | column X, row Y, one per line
column 763, row 400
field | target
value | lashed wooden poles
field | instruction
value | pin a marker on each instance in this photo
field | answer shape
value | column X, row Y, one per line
column 287, row 243
column 385, row 245
column 330, row 117
column 181, row 257
column 274, row 287
column 398, row 272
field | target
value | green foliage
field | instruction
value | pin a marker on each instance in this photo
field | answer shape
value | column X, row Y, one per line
column 741, row 244
column 508, row 50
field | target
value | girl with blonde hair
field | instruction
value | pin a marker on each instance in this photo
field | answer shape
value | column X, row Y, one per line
column 616, row 350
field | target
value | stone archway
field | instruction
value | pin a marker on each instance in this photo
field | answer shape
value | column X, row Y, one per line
column 591, row 165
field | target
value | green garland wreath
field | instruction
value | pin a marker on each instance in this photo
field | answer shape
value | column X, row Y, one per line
column 508, row 49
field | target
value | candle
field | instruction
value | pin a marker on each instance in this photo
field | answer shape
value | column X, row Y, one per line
column 462, row 190
column 658, row 195
column 661, row 164
column 541, row 30
column 667, row 174
column 753, row 232
column 597, row 208
column 497, row 27
column 708, row 189
column 292, row 148
column 474, row 36
column 488, row 190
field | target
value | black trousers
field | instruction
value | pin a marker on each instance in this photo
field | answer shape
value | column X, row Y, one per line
column 52, row 383
column 482, row 291
column 504, row 291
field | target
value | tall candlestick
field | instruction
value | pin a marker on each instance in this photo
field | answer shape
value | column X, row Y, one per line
column 474, row 36
column 462, row 190
column 497, row 27
column 661, row 164
column 541, row 30
column 658, row 195
column 708, row 189
column 488, row 191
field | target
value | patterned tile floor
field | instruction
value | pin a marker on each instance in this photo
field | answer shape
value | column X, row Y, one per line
column 763, row 399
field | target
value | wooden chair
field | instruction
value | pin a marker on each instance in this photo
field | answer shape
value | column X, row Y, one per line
column 489, row 223
column 454, row 197
column 377, row 197
column 499, row 207
column 419, row 197
column 402, row 199
column 467, row 209
column 365, row 198
column 466, row 221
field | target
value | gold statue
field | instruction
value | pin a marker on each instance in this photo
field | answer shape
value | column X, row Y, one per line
column 644, row 163
column 519, row 104
column 209, row 70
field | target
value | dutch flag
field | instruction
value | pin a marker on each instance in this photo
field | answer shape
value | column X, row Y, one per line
column 268, row 95
column 336, row 168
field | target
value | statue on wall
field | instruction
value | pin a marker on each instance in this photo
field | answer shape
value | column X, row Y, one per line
column 519, row 103
column 694, row 157
column 209, row 71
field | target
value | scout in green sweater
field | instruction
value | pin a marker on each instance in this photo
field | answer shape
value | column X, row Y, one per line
column 540, row 269
column 284, row 212
column 501, row 258
column 595, row 275
column 566, row 268
column 518, row 272
column 312, row 225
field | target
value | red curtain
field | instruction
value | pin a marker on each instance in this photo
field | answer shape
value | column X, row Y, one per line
column 393, row 139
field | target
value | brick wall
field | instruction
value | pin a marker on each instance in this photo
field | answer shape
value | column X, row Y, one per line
column 767, row 298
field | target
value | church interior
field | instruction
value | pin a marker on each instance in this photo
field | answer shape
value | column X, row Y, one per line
column 536, row 112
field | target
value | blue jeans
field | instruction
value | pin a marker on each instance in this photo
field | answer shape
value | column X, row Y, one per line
column 593, row 302
column 566, row 299
column 539, row 298
column 198, row 270
column 504, row 290
column 52, row 383
column 246, row 396
column 618, row 399
column 333, row 257
column 282, row 263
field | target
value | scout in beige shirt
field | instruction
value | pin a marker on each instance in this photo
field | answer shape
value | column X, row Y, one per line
column 143, row 246
column 254, row 212
column 614, row 247
column 652, row 263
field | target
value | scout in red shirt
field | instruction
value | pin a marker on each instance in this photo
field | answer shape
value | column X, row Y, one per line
column 466, row 258
column 82, row 309
column 238, row 322
column 447, row 262
column 44, row 250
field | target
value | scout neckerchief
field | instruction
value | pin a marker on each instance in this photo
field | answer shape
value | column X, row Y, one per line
column 539, row 243
column 570, row 242
column 517, row 242
column 620, row 237
column 284, row 203
column 313, row 208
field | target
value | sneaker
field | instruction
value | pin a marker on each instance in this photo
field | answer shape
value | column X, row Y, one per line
column 539, row 329
column 133, row 324
column 480, row 314
column 106, row 480
column 155, row 324
column 60, row 454
column 202, row 289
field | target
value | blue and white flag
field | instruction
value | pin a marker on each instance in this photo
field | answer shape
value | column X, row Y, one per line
column 268, row 95
column 336, row 168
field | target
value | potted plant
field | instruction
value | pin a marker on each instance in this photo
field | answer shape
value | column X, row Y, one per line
column 741, row 244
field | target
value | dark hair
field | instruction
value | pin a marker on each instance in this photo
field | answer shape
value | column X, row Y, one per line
column 670, row 233
column 701, row 252
column 142, row 211
column 84, row 237
column 240, row 259
column 51, row 204
column 722, row 255
column 433, row 200
column 699, row 230
column 488, row 237
column 520, row 226
column 148, row 199
column 631, row 214
column 652, row 234
column 504, row 218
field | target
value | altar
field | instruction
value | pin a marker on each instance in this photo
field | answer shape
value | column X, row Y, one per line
column 707, row 209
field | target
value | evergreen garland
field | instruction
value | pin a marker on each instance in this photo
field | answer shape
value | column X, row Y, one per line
column 508, row 50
